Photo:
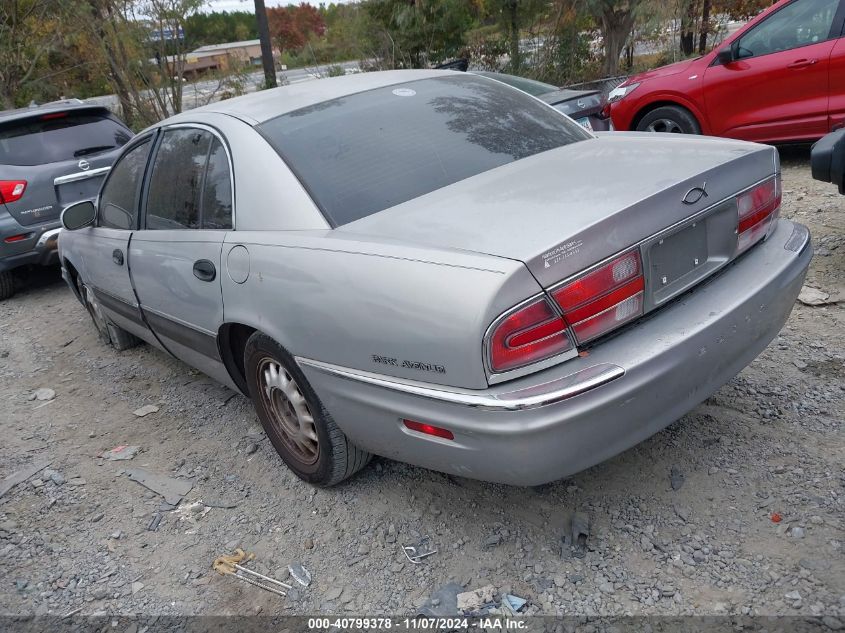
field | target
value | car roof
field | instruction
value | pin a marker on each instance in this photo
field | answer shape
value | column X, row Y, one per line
column 263, row 105
column 20, row 114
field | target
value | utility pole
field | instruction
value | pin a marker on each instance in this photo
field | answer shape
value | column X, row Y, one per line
column 266, row 45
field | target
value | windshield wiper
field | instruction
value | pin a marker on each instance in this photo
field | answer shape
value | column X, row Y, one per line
column 91, row 150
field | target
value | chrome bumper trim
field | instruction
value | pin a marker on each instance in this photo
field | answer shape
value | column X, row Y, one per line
column 526, row 398
column 80, row 175
column 46, row 236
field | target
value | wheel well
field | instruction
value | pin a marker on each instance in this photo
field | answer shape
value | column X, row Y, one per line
column 233, row 338
column 660, row 104
column 74, row 275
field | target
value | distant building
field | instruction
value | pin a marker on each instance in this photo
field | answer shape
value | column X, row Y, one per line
column 221, row 57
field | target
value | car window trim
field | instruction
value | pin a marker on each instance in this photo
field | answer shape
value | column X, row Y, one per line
column 154, row 152
column 835, row 32
column 129, row 147
column 839, row 18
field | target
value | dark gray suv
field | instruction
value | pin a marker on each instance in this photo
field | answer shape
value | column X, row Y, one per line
column 50, row 157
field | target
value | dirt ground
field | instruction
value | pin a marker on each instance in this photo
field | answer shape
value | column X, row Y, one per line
column 75, row 537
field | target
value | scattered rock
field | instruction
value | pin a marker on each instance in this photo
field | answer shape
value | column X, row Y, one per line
column 676, row 478
column 470, row 601
column 145, row 410
column 43, row 394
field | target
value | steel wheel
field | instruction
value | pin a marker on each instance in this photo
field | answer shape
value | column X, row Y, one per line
column 288, row 410
column 665, row 125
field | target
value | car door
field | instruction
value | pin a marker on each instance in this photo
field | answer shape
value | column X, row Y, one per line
column 777, row 86
column 836, row 104
column 105, row 245
column 175, row 256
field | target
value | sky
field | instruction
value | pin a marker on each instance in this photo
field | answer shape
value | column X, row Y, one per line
column 247, row 5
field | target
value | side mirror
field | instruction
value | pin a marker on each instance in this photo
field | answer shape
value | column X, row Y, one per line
column 827, row 159
column 79, row 215
column 725, row 56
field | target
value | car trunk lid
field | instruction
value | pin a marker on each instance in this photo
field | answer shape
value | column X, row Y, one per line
column 564, row 210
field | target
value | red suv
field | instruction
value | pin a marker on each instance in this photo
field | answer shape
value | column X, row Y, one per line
column 781, row 77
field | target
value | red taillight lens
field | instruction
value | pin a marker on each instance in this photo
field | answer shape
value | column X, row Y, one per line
column 428, row 429
column 757, row 208
column 17, row 238
column 12, row 190
column 604, row 298
column 529, row 334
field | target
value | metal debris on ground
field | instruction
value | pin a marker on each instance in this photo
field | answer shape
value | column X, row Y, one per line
column 121, row 453
column 145, row 410
column 300, row 574
column 152, row 526
column 21, row 476
column 512, row 604
column 416, row 553
column 173, row 490
column 229, row 565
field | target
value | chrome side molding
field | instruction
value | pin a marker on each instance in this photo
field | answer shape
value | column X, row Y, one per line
column 532, row 397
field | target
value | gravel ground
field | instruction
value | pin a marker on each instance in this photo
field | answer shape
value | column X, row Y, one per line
column 681, row 524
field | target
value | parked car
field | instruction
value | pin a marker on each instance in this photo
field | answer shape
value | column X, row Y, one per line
column 418, row 264
column 585, row 106
column 777, row 79
column 50, row 156
column 828, row 159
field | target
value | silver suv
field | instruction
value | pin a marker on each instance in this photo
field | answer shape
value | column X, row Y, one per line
column 50, row 156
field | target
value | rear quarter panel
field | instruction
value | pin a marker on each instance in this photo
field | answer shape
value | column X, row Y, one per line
column 373, row 306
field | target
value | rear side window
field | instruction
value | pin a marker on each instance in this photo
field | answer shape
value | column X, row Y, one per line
column 216, row 208
column 59, row 136
column 191, row 184
column 120, row 193
column 363, row 153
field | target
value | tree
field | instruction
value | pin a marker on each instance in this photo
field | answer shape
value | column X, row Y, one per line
column 291, row 27
column 417, row 33
column 29, row 31
column 616, row 20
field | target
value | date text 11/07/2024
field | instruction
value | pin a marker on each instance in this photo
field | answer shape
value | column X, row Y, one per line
column 418, row 624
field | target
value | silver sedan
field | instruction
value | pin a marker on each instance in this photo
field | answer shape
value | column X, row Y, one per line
column 427, row 266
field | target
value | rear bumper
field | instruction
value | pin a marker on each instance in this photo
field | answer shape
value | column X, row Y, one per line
column 39, row 248
column 561, row 420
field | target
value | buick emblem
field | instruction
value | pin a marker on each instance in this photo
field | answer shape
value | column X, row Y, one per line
column 580, row 104
column 695, row 194
column 83, row 164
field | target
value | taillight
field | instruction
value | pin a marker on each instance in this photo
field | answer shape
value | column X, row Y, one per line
column 529, row 334
column 757, row 209
column 604, row 298
column 11, row 190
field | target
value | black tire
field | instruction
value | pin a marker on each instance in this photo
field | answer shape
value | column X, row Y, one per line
column 7, row 284
column 324, row 461
column 110, row 333
column 669, row 119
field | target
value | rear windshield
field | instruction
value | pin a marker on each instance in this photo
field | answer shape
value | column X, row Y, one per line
column 60, row 136
column 363, row 153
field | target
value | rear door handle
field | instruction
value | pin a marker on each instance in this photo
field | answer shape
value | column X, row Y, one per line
column 117, row 256
column 204, row 270
column 802, row 63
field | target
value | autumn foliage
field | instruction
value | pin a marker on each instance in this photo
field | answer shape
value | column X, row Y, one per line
column 292, row 26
